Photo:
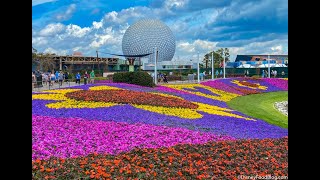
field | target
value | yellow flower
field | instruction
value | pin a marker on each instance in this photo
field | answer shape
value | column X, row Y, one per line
column 222, row 95
column 65, row 102
column 210, row 109
column 242, row 85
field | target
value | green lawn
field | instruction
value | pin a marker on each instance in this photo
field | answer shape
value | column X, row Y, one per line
column 261, row 106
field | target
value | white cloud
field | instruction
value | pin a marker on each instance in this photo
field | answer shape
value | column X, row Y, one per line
column 55, row 51
column 276, row 48
column 189, row 50
column 39, row 41
column 133, row 14
column 52, row 29
column 190, row 31
column 77, row 31
column 37, row 2
column 109, row 37
column 175, row 4
column 68, row 14
column 97, row 25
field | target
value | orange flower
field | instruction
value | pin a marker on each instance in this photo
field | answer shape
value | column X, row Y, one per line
column 116, row 162
column 49, row 170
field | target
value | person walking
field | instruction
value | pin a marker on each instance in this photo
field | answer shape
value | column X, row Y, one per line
column 52, row 79
column 85, row 77
column 34, row 81
column 201, row 76
column 92, row 76
column 217, row 73
column 165, row 80
column 78, row 77
column 66, row 76
column 45, row 78
column 266, row 73
column 57, row 76
column 60, row 77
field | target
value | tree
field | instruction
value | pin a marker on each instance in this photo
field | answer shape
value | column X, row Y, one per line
column 44, row 61
column 34, row 55
column 217, row 56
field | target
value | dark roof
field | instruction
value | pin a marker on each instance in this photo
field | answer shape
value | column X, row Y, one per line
column 259, row 57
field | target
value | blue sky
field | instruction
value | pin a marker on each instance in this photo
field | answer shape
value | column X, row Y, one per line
column 244, row 26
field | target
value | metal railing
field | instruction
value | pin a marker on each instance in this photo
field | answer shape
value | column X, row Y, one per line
column 45, row 85
column 66, row 83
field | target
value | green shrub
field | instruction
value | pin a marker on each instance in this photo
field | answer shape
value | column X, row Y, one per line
column 139, row 78
column 100, row 78
column 174, row 78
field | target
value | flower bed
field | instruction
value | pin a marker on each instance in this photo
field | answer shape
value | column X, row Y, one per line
column 213, row 160
column 118, row 130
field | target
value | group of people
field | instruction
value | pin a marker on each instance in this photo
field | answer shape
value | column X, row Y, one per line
column 86, row 77
column 272, row 73
column 246, row 73
column 219, row 75
column 44, row 78
column 162, row 77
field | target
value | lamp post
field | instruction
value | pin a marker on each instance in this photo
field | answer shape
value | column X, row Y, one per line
column 155, row 65
column 198, row 69
column 268, row 66
column 224, row 66
column 212, row 64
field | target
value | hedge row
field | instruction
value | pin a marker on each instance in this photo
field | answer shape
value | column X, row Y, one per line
column 139, row 78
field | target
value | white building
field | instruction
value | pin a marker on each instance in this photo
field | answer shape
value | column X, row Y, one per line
column 166, row 65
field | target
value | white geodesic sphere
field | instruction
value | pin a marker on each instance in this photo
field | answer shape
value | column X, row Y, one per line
column 142, row 36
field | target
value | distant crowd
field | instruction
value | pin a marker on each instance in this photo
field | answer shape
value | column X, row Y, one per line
column 273, row 73
column 49, row 78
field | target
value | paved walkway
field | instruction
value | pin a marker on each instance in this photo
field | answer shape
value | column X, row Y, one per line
column 71, row 84
column 55, row 86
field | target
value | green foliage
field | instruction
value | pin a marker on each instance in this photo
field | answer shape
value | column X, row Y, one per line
column 100, row 78
column 217, row 56
column 174, row 78
column 260, row 106
column 139, row 78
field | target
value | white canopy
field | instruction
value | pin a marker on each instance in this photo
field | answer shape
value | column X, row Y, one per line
column 245, row 66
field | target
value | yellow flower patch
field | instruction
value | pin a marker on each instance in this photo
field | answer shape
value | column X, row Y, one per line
column 166, row 95
column 210, row 109
column 56, row 94
column 179, row 112
column 259, row 86
column 222, row 95
column 71, row 103
column 104, row 88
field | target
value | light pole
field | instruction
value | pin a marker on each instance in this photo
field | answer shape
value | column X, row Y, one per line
column 269, row 66
column 198, row 69
column 155, row 65
column 212, row 64
column 224, row 66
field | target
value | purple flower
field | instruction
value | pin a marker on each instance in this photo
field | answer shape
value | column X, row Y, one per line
column 72, row 137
